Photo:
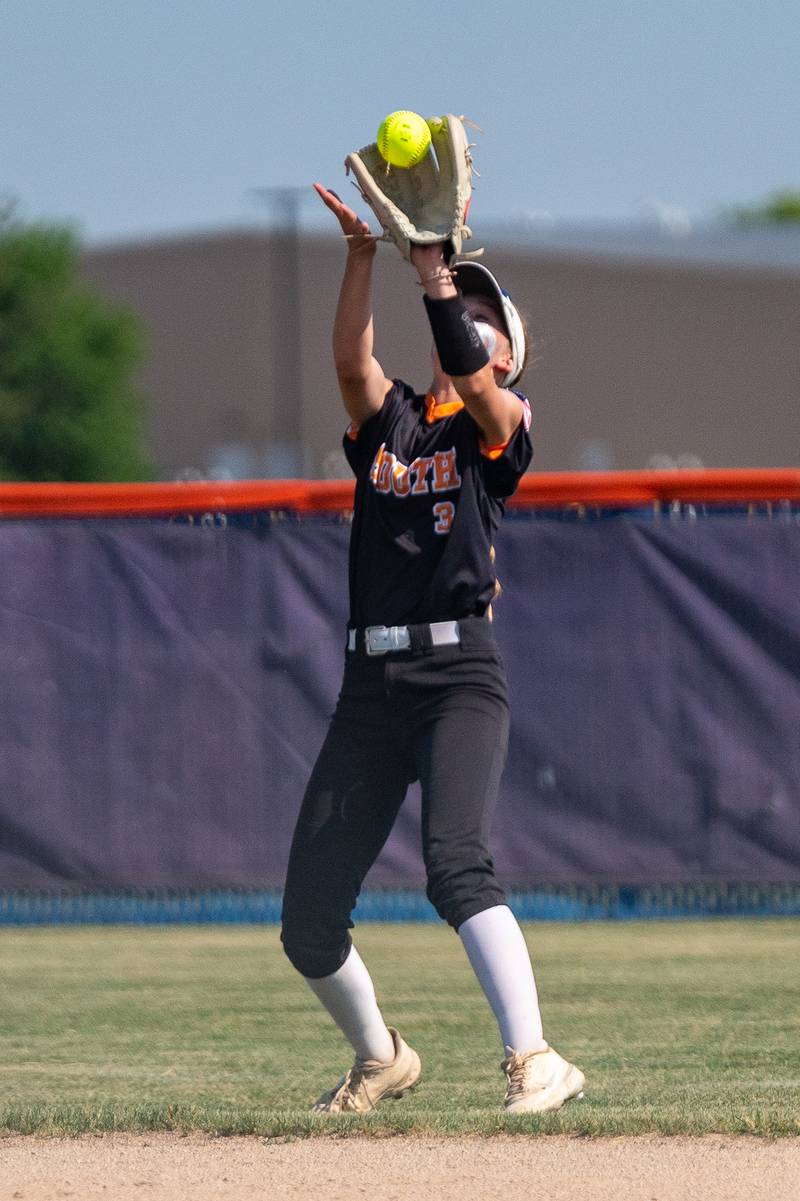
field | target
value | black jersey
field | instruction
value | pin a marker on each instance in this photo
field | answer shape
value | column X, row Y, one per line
column 429, row 498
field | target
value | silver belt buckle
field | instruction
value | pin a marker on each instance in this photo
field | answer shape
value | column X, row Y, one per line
column 380, row 640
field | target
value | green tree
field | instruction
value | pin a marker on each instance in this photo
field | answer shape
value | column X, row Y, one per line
column 782, row 208
column 68, row 407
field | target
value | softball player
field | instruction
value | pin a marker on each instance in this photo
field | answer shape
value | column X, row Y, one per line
column 424, row 692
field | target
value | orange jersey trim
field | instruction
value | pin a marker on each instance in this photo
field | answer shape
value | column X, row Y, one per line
column 594, row 489
column 493, row 452
column 435, row 412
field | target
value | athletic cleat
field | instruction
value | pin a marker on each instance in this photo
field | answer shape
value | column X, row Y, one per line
column 369, row 1081
column 540, row 1081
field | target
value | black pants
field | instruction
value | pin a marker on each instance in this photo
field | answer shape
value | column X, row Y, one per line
column 438, row 715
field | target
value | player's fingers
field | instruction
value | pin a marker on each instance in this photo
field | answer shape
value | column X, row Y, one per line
column 324, row 193
column 350, row 222
column 329, row 198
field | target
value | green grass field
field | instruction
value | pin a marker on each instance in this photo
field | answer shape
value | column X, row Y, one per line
column 685, row 1027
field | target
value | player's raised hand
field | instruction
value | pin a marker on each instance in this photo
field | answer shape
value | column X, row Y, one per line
column 355, row 229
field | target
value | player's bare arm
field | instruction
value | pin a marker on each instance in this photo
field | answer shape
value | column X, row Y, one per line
column 496, row 411
column 362, row 381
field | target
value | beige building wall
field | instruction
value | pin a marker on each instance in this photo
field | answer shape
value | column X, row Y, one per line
column 634, row 359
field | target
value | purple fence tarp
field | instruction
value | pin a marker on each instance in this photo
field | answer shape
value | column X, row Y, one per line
column 164, row 688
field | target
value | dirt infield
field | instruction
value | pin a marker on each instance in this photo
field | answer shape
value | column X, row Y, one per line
column 171, row 1168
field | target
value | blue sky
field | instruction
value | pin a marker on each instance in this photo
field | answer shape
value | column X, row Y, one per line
column 132, row 119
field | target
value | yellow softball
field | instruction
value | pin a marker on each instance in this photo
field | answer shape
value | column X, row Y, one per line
column 403, row 138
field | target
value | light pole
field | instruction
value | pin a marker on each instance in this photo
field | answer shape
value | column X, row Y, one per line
column 287, row 452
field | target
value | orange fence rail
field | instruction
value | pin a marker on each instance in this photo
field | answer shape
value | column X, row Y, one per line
column 607, row 489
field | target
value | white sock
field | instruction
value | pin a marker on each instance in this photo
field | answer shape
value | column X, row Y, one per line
column 349, row 997
column 499, row 957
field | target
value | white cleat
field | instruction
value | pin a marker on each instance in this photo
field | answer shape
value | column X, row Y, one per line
column 540, row 1081
column 369, row 1082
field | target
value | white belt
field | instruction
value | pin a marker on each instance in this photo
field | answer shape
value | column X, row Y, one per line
column 379, row 640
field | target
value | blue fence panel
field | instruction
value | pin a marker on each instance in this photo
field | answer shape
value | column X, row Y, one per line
column 165, row 685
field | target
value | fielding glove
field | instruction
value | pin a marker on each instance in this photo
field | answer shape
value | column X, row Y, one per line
column 426, row 203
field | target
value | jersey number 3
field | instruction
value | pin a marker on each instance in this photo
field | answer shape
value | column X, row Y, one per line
column 444, row 512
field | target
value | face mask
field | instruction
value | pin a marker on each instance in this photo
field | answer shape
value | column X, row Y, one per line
column 488, row 336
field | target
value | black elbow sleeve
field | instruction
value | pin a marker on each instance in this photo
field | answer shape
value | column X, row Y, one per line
column 457, row 341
